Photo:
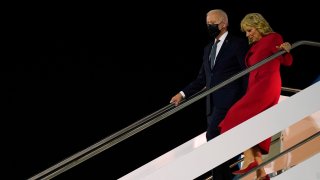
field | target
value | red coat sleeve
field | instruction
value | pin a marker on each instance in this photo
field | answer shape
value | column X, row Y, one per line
column 285, row 59
column 268, row 46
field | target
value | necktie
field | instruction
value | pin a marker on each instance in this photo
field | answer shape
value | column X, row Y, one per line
column 212, row 56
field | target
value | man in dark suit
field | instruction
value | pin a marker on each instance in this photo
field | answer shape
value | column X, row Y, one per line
column 223, row 57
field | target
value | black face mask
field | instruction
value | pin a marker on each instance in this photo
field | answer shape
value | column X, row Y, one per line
column 213, row 30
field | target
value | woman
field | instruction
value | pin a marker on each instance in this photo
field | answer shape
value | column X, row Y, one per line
column 264, row 86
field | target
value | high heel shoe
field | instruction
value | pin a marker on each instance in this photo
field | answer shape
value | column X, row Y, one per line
column 250, row 166
column 266, row 177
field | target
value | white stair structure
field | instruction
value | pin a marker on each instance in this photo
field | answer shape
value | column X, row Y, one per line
column 197, row 156
column 308, row 169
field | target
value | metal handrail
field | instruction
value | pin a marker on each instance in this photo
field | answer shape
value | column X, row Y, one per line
column 290, row 89
column 147, row 121
column 280, row 154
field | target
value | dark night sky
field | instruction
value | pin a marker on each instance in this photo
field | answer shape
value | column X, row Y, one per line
column 89, row 70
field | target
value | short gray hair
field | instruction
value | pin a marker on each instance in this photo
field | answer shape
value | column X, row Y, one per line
column 222, row 14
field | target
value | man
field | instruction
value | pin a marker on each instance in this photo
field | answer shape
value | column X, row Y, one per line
column 221, row 61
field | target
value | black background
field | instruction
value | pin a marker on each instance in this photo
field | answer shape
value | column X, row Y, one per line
column 83, row 71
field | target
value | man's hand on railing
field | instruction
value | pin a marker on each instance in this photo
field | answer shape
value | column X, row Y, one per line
column 176, row 99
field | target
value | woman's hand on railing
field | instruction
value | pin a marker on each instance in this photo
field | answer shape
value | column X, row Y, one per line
column 285, row 46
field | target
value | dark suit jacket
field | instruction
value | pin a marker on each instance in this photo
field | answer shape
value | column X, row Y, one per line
column 229, row 61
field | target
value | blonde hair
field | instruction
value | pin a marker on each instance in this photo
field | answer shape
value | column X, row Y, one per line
column 257, row 21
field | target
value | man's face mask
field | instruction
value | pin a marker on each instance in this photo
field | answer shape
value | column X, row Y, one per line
column 213, row 30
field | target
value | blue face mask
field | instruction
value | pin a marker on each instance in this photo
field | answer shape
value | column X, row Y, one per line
column 213, row 30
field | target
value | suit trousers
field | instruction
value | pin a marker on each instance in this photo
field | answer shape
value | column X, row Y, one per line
column 223, row 171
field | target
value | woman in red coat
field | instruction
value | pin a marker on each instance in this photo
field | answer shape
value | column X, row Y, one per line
column 264, row 86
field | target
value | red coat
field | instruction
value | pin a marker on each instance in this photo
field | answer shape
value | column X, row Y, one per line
column 264, row 86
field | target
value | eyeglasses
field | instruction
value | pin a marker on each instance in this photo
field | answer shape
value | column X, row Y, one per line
column 209, row 24
column 213, row 25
